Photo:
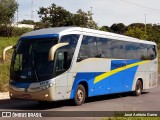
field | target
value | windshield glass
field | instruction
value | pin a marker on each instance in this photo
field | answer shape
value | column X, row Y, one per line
column 30, row 60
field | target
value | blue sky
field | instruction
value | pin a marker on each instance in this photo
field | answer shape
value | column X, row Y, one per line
column 106, row 12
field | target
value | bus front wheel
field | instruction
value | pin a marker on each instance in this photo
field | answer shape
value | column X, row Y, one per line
column 80, row 95
column 138, row 88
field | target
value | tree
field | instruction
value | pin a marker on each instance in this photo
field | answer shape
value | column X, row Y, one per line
column 7, row 11
column 84, row 19
column 40, row 25
column 105, row 28
column 118, row 28
column 30, row 22
column 56, row 16
column 153, row 33
column 139, row 25
column 136, row 32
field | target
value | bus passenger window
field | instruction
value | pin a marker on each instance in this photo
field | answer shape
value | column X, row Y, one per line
column 104, row 47
column 62, row 62
column 151, row 52
column 142, row 52
column 65, row 53
column 118, row 49
column 88, row 48
column 131, row 50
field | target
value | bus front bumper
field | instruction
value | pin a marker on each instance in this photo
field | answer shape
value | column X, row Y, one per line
column 43, row 95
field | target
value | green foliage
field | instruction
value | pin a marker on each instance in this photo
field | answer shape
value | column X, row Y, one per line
column 153, row 33
column 7, row 11
column 13, row 31
column 4, row 76
column 136, row 32
column 56, row 16
column 29, row 22
column 118, row 28
column 5, row 66
column 105, row 28
column 40, row 25
column 4, row 42
column 5, row 30
column 84, row 19
column 20, row 31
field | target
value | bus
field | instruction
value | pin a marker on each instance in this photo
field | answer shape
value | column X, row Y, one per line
column 74, row 63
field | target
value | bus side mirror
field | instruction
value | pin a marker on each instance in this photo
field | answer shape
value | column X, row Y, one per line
column 6, row 49
column 53, row 50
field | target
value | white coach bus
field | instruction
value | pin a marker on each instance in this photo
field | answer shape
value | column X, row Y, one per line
column 74, row 63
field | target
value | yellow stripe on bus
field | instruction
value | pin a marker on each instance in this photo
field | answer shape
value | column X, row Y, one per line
column 107, row 74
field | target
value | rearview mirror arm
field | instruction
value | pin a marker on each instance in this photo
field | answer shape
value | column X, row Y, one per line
column 53, row 50
column 4, row 52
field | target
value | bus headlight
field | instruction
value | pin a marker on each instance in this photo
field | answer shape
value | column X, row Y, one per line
column 50, row 85
column 46, row 95
column 46, row 86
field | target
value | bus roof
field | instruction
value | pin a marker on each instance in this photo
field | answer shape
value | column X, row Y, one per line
column 67, row 30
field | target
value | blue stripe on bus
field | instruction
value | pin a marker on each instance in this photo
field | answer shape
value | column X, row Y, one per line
column 20, row 85
column 83, row 77
column 119, row 82
column 120, row 63
column 40, row 36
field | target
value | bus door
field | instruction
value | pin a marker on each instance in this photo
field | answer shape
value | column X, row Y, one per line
column 116, row 79
column 62, row 76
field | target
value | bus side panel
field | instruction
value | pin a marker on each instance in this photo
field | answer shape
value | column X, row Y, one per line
column 115, row 79
column 148, row 73
column 86, row 70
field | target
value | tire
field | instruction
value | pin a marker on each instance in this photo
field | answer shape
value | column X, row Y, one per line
column 138, row 88
column 80, row 95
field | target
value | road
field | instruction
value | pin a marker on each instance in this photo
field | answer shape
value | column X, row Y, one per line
column 148, row 101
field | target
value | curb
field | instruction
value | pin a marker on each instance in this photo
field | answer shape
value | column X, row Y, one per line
column 4, row 95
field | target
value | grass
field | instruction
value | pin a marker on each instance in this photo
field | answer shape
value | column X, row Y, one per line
column 5, row 66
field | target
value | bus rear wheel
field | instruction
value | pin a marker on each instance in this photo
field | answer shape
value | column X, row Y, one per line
column 138, row 88
column 80, row 95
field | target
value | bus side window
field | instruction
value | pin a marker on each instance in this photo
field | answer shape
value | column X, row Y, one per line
column 151, row 52
column 142, row 52
column 118, row 49
column 88, row 48
column 62, row 62
column 65, row 53
column 131, row 50
column 104, row 48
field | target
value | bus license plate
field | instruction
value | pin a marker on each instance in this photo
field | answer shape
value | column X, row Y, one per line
column 27, row 96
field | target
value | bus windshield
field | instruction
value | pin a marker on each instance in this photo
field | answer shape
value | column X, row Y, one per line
column 30, row 60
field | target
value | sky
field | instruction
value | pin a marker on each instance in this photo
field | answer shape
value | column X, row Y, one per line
column 105, row 12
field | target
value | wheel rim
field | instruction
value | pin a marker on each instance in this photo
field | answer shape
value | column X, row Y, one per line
column 80, row 95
